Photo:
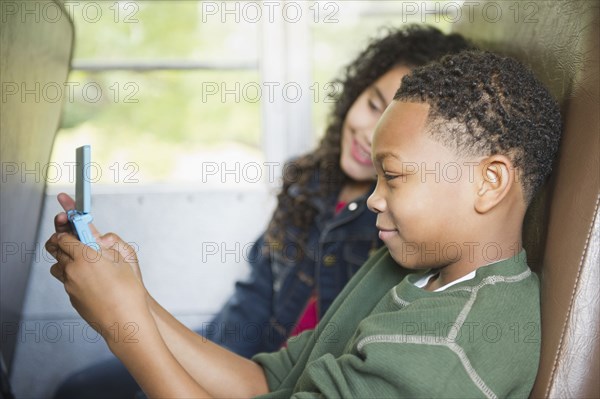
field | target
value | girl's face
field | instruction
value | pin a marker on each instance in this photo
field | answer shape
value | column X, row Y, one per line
column 359, row 125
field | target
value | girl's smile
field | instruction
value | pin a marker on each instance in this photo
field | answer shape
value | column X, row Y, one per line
column 360, row 154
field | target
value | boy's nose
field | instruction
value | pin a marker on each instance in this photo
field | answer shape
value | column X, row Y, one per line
column 375, row 202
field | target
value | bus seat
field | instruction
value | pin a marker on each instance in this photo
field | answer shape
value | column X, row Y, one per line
column 35, row 55
column 559, row 41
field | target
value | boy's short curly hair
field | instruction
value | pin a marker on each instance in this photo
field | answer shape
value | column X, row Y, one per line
column 495, row 105
column 411, row 46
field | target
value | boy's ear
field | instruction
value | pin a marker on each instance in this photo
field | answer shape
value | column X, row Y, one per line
column 496, row 177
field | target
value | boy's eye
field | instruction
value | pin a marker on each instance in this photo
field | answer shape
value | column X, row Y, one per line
column 389, row 177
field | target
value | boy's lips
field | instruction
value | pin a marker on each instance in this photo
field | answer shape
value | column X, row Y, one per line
column 386, row 234
column 360, row 154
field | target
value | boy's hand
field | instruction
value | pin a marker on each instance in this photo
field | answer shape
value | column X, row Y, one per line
column 114, row 242
column 61, row 221
column 102, row 286
column 110, row 240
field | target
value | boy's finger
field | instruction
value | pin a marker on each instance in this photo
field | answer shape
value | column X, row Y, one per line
column 114, row 242
column 68, row 203
column 49, row 247
column 68, row 245
column 54, row 249
column 52, row 245
column 61, row 223
column 58, row 272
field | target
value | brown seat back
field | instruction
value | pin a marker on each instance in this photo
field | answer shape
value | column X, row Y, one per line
column 560, row 41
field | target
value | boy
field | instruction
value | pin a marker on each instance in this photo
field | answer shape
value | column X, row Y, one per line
column 459, row 154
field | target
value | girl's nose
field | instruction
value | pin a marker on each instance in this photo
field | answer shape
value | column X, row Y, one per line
column 367, row 135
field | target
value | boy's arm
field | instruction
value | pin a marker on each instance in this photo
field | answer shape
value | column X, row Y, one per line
column 221, row 372
column 180, row 365
column 151, row 363
column 107, row 292
column 250, row 306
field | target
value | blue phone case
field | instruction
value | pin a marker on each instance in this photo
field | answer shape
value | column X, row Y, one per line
column 80, row 217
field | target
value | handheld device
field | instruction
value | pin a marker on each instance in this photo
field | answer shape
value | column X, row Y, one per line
column 80, row 217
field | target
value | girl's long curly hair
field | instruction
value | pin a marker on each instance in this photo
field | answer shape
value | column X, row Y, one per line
column 410, row 46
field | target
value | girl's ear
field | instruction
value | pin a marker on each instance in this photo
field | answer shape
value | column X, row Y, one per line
column 496, row 178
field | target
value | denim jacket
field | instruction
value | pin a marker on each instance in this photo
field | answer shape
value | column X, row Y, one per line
column 265, row 307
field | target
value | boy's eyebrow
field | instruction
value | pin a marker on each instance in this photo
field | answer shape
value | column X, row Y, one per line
column 381, row 156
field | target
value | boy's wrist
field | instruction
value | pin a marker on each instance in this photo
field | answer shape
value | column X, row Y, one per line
column 153, row 306
column 127, row 336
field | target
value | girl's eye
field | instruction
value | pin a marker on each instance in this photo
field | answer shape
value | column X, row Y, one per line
column 374, row 107
column 389, row 177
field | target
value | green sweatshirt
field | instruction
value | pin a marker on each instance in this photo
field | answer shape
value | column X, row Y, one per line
column 384, row 337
